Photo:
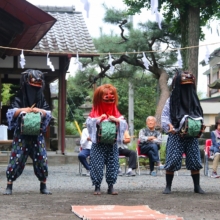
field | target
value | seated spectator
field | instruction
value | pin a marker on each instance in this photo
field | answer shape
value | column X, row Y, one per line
column 132, row 159
column 86, row 144
column 215, row 148
column 150, row 140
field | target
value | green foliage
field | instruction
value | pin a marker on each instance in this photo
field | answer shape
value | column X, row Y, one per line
column 145, row 93
column 108, row 43
column 146, row 37
column 77, row 91
column 71, row 128
column 163, row 153
column 8, row 92
column 55, row 109
column 174, row 10
column 114, row 15
column 5, row 94
column 200, row 94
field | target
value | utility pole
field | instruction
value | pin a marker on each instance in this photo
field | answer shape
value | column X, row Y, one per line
column 131, row 99
column 131, row 109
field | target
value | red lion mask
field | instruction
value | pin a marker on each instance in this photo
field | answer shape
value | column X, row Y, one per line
column 105, row 101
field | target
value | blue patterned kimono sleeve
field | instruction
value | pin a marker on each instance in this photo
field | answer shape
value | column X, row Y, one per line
column 46, row 120
column 12, row 122
column 165, row 117
column 91, row 126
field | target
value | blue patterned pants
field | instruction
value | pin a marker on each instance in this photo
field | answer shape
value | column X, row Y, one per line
column 175, row 148
column 101, row 155
column 22, row 147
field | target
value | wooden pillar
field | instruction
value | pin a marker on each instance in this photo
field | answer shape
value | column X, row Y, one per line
column 62, row 112
column 63, row 67
column 0, row 99
column 47, row 96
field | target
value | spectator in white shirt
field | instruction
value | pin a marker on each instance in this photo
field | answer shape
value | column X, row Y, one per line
column 86, row 144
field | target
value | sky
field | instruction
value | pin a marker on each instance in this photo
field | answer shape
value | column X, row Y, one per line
column 95, row 21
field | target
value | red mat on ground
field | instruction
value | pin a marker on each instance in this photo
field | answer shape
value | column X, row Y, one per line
column 116, row 212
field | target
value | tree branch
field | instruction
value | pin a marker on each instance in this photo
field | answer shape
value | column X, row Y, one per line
column 123, row 58
column 122, row 31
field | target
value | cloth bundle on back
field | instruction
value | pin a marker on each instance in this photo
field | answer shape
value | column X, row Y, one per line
column 30, row 100
column 182, row 105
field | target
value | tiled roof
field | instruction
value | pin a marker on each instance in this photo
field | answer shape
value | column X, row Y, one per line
column 68, row 35
column 22, row 26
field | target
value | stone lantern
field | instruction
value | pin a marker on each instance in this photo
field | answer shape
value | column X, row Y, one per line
column 87, row 106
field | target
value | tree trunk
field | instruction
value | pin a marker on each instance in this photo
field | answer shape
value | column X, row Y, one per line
column 193, row 40
column 164, row 95
column 184, row 38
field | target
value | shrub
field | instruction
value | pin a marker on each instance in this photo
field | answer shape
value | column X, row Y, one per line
column 71, row 129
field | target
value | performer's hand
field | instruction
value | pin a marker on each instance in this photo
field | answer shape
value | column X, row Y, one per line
column 203, row 128
column 36, row 110
column 27, row 110
column 102, row 117
column 112, row 118
column 171, row 130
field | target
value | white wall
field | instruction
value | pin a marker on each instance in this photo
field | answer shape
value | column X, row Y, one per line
column 210, row 111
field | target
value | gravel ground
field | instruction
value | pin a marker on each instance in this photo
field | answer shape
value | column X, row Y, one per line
column 69, row 188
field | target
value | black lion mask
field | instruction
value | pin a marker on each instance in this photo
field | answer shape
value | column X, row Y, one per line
column 31, row 93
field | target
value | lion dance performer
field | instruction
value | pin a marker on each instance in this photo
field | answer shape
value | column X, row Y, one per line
column 29, row 99
column 182, row 104
column 105, row 101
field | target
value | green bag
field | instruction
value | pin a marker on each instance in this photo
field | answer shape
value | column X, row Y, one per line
column 107, row 132
column 192, row 128
column 31, row 123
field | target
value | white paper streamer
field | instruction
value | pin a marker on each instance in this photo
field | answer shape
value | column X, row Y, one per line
column 145, row 61
column 154, row 6
column 80, row 66
column 86, row 6
column 158, row 19
column 49, row 63
column 179, row 58
column 154, row 10
column 22, row 59
column 169, row 82
column 207, row 55
column 110, row 63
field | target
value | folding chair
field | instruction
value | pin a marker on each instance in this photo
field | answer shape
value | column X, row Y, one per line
column 139, row 155
column 207, row 156
column 123, row 157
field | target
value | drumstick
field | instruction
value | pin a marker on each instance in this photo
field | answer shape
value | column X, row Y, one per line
column 33, row 105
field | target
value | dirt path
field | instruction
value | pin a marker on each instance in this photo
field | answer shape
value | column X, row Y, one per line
column 70, row 189
column 32, row 205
